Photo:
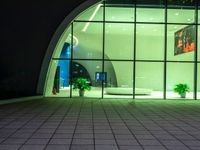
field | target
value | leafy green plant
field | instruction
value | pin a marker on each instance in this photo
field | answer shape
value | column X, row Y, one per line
column 181, row 89
column 81, row 84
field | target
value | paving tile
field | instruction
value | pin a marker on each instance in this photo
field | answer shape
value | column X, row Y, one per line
column 60, row 141
column 191, row 142
column 42, row 135
column 84, row 131
column 57, row 147
column 131, row 147
column 62, row 136
column 104, row 142
column 154, row 148
column 127, row 142
column 194, row 148
column 64, row 131
column 121, row 131
column 32, row 147
column 176, row 147
column 104, row 136
column 151, row 122
column 37, row 141
column 2, row 139
column 143, row 132
column 14, row 141
column 185, row 137
column 83, row 141
column 102, row 127
column 23, row 130
column 84, row 127
column 24, row 135
column 149, row 142
column 145, row 137
column 124, row 136
column 9, row 147
column 106, row 147
column 172, row 143
column 46, row 131
column 102, row 131
column 83, row 136
column 164, row 137
column 82, row 147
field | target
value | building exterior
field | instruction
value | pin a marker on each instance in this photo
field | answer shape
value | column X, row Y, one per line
column 124, row 48
column 127, row 49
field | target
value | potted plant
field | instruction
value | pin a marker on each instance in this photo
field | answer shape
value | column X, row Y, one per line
column 181, row 89
column 81, row 84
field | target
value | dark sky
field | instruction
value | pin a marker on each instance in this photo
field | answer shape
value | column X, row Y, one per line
column 26, row 29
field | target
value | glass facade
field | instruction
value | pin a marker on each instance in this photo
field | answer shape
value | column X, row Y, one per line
column 128, row 49
column 117, row 43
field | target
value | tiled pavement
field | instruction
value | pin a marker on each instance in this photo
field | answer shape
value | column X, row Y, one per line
column 93, row 124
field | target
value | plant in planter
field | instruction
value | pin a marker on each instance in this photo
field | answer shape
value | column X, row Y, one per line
column 181, row 89
column 81, row 84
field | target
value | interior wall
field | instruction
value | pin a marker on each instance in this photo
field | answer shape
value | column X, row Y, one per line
column 96, row 66
column 179, row 72
column 119, row 44
column 148, row 47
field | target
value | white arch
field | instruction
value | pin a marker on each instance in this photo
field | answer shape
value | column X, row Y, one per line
column 47, row 63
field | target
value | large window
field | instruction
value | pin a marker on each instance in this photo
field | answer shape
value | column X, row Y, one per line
column 119, row 41
column 87, row 70
column 149, row 80
column 117, row 14
column 119, row 82
column 89, row 36
column 179, row 73
column 154, row 48
column 130, row 50
column 150, row 15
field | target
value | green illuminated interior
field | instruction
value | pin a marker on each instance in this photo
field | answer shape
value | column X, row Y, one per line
column 119, row 49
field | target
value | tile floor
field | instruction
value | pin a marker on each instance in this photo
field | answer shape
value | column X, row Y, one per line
column 94, row 124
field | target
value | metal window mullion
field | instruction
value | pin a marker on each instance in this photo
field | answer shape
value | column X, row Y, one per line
column 196, row 53
column 165, row 55
column 71, row 58
column 103, row 49
column 134, row 50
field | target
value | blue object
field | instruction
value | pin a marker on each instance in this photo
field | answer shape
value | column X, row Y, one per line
column 65, row 66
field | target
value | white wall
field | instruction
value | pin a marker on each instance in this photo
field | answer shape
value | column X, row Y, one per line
column 119, row 45
column 149, row 47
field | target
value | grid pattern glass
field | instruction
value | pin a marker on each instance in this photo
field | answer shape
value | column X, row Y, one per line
column 170, row 19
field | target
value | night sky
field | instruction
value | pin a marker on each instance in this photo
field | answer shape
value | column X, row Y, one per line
column 26, row 29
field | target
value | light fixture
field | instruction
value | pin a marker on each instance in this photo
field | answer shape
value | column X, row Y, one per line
column 151, row 18
column 176, row 14
column 91, row 17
